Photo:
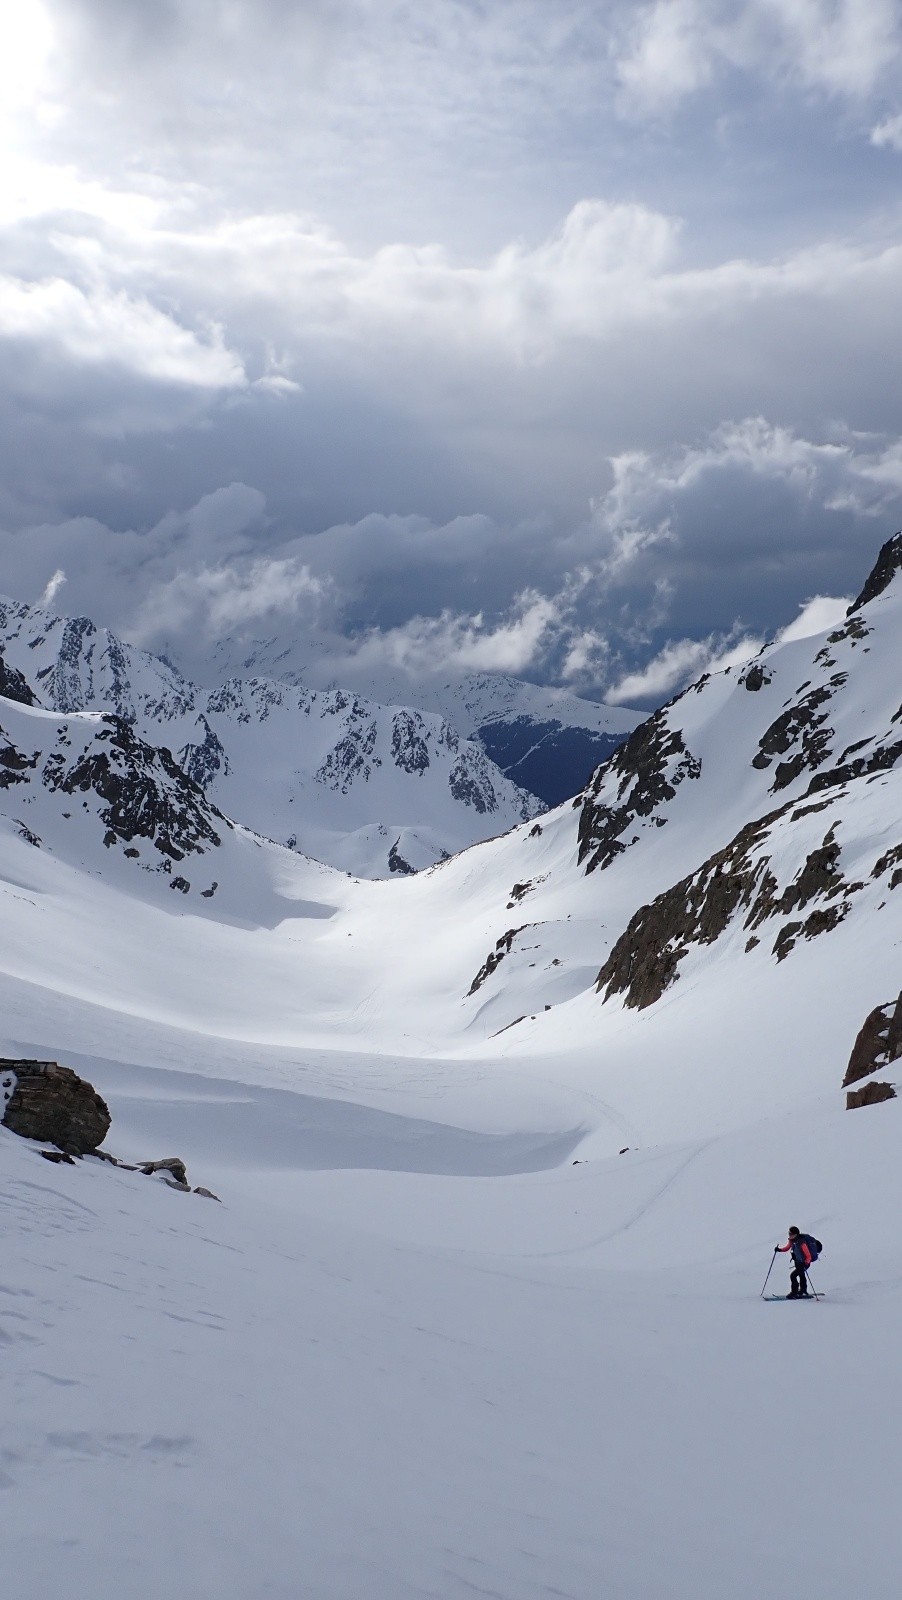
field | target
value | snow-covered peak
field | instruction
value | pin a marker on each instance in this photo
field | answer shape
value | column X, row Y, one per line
column 371, row 788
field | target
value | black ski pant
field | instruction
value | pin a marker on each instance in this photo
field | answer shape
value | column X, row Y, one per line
column 798, row 1280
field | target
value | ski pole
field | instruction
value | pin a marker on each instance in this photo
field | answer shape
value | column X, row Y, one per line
column 811, row 1286
column 769, row 1271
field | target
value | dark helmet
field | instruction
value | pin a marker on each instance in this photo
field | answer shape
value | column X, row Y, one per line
column 794, row 1233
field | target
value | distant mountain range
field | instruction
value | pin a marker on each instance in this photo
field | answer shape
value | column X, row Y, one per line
column 373, row 789
column 545, row 740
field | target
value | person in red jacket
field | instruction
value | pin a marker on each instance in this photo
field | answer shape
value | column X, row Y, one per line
column 802, row 1258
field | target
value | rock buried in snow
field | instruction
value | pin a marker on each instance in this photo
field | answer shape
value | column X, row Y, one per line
column 53, row 1104
column 172, row 1168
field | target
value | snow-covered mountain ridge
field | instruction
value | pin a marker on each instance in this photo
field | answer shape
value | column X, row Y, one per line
column 370, row 788
column 545, row 739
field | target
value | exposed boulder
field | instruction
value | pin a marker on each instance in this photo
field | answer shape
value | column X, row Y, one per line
column 878, row 1044
column 53, row 1104
column 870, row 1094
column 755, row 677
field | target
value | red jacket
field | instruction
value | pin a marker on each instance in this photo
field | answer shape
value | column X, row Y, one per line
column 801, row 1254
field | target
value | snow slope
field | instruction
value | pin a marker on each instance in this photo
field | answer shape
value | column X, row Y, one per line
column 370, row 788
column 353, row 1383
column 417, row 1351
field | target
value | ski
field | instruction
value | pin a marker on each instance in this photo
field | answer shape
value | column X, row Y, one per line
column 811, row 1297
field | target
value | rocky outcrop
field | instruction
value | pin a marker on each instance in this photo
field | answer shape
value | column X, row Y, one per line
column 755, row 677
column 53, row 1104
column 171, row 1168
column 881, row 575
column 739, row 880
column 878, row 1044
column 137, row 792
column 146, row 794
column 13, row 685
column 639, row 778
column 202, row 761
column 408, row 746
column 397, row 863
column 503, row 947
column 870, row 1095
column 802, row 730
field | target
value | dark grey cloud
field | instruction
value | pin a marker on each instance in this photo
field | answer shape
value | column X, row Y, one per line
column 432, row 331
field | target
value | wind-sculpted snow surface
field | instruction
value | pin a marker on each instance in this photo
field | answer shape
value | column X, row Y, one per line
column 325, row 772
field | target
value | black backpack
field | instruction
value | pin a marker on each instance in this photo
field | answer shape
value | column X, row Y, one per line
column 814, row 1245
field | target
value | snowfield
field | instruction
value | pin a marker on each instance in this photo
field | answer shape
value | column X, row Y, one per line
column 479, row 1312
column 348, row 1383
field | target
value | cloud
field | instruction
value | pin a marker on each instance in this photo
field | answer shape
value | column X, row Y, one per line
column 675, row 48
column 115, row 329
column 455, row 643
column 888, row 132
column 689, row 561
column 672, row 54
column 522, row 337
column 224, row 599
column 683, row 660
column 845, row 473
column 677, row 664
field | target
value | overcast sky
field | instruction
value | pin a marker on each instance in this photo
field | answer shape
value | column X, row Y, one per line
column 541, row 336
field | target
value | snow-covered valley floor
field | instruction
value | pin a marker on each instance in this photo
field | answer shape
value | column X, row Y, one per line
column 464, row 1380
